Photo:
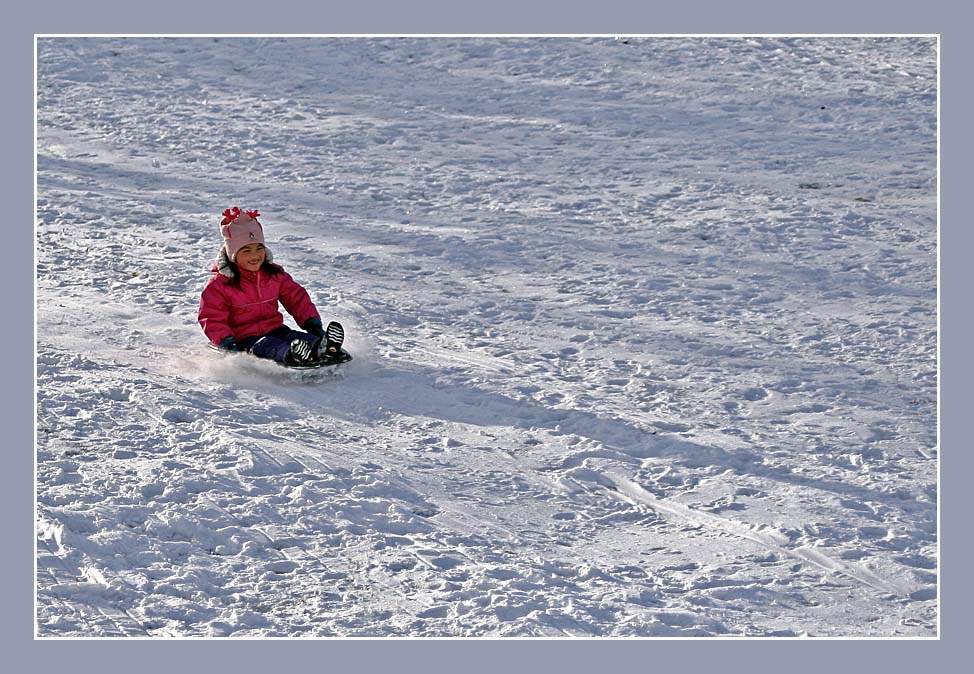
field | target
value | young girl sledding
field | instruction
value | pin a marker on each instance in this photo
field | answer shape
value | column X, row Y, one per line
column 239, row 306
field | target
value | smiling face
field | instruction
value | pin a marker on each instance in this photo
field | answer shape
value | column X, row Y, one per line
column 251, row 257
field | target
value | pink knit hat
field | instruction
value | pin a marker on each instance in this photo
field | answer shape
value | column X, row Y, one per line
column 240, row 228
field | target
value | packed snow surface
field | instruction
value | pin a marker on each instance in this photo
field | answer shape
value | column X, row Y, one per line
column 645, row 338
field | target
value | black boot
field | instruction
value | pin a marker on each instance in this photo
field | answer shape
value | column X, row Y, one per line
column 334, row 337
column 302, row 351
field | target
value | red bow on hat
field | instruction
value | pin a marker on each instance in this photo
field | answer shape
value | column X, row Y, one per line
column 232, row 214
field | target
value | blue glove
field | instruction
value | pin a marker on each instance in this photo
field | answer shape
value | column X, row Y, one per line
column 228, row 344
column 313, row 326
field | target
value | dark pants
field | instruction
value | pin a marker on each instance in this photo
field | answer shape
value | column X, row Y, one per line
column 275, row 344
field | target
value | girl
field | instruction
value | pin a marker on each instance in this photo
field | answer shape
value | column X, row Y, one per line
column 238, row 308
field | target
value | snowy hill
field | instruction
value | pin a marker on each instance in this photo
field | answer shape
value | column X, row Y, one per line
column 644, row 334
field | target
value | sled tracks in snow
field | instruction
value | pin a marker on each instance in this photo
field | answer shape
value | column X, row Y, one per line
column 768, row 537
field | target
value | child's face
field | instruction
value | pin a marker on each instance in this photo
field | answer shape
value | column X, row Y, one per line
column 251, row 256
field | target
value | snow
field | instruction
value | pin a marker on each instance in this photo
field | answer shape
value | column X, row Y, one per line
column 645, row 338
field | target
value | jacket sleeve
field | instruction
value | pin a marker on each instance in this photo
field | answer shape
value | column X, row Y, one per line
column 214, row 314
column 296, row 300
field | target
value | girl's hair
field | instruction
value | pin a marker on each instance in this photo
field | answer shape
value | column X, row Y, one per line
column 268, row 266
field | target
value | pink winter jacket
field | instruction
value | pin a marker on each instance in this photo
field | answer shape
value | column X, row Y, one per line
column 251, row 308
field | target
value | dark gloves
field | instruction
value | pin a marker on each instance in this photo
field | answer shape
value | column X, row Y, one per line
column 229, row 344
column 313, row 326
